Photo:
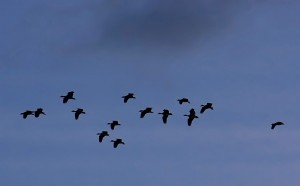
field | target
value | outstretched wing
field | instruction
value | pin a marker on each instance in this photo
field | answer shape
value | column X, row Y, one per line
column 143, row 113
column 165, row 118
column 273, row 126
column 65, row 100
column 77, row 115
column 202, row 109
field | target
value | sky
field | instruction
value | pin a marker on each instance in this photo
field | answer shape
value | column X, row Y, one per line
column 240, row 55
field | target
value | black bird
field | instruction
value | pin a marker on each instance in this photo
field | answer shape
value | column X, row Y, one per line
column 207, row 106
column 165, row 114
column 192, row 112
column 276, row 123
column 102, row 135
column 113, row 124
column 183, row 100
column 68, row 96
column 117, row 142
column 38, row 112
column 27, row 113
column 144, row 112
column 191, row 116
column 78, row 112
column 128, row 96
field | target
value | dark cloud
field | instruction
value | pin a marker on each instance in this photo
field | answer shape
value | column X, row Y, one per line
column 168, row 23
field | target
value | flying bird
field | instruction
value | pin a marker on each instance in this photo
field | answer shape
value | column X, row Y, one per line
column 113, row 124
column 117, row 142
column 192, row 112
column 128, row 96
column 144, row 112
column 78, row 112
column 38, row 112
column 205, row 107
column 27, row 113
column 191, row 116
column 166, row 113
column 70, row 95
column 183, row 100
column 102, row 135
column 276, row 123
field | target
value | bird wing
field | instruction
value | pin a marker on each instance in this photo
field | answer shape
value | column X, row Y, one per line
column 165, row 118
column 100, row 138
column 273, row 126
column 190, row 120
column 202, row 109
column 126, row 99
column 116, row 144
column 65, row 99
column 143, row 113
column 77, row 115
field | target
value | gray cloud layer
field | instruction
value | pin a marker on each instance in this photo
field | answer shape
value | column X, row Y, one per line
column 169, row 23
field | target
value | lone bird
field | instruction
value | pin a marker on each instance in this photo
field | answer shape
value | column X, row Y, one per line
column 38, row 112
column 183, row 100
column 144, row 112
column 191, row 116
column 128, row 96
column 117, row 142
column 68, row 96
column 102, row 135
column 78, row 112
column 207, row 106
column 166, row 113
column 113, row 124
column 27, row 113
column 276, row 123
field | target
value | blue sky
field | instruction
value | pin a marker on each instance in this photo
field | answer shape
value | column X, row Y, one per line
column 241, row 56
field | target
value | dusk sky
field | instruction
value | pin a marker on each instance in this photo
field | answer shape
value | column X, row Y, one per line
column 243, row 56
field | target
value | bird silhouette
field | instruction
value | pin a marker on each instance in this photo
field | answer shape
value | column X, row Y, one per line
column 102, row 135
column 128, row 96
column 144, row 112
column 68, row 96
column 205, row 107
column 165, row 114
column 192, row 112
column 276, row 123
column 183, row 100
column 191, row 116
column 113, row 124
column 27, row 113
column 117, row 142
column 38, row 112
column 78, row 112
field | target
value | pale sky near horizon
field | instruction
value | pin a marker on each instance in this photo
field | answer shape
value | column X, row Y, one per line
column 240, row 55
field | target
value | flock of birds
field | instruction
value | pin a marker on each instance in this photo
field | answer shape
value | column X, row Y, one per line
column 165, row 114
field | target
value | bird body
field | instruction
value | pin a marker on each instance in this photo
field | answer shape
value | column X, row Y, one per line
column 205, row 107
column 102, row 135
column 146, row 111
column 273, row 125
column 38, row 112
column 70, row 95
column 191, row 116
column 117, row 142
column 128, row 96
column 78, row 112
column 27, row 113
column 113, row 124
column 166, row 113
column 183, row 100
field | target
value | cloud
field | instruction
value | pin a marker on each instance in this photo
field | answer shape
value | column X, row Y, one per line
column 157, row 24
